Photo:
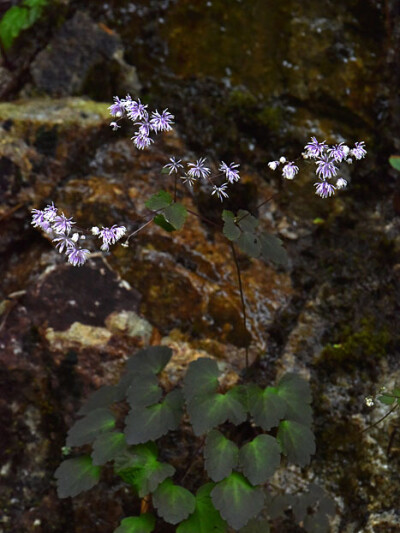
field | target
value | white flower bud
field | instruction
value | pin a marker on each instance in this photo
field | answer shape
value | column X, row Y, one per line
column 95, row 230
column 282, row 159
column 341, row 183
column 273, row 164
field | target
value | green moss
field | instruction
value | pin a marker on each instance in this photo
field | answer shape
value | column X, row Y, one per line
column 271, row 117
column 366, row 345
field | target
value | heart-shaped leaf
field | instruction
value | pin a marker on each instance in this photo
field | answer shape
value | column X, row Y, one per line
column 75, row 476
column 260, row 458
column 93, row 424
column 104, row 397
column 246, row 221
column 221, row 455
column 173, row 503
column 205, row 519
column 160, row 200
column 297, row 441
column 249, row 244
column 237, row 500
column 143, row 391
column 266, row 407
column 201, row 378
column 272, row 249
column 160, row 221
column 297, row 395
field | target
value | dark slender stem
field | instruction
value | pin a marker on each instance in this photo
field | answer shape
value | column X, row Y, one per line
column 241, row 297
column 205, row 219
column 381, row 419
column 139, row 229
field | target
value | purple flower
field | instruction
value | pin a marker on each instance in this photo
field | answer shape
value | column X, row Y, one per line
column 338, row 152
column 290, row 170
column 38, row 219
column 314, row 148
column 117, row 108
column 62, row 224
column 141, row 141
column 77, row 256
column 111, row 236
column 174, row 166
column 359, row 151
column 326, row 168
column 230, row 171
column 161, row 122
column 135, row 110
column 324, row 189
column 64, row 242
column 220, row 191
column 199, row 169
column 50, row 212
column 190, row 180
column 144, row 127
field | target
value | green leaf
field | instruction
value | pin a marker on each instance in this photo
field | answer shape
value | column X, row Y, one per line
column 394, row 160
column 176, row 215
column 93, row 424
column 297, row 395
column 249, row 244
column 387, row 400
column 207, row 412
column 205, row 519
column 272, row 249
column 150, row 423
column 75, row 476
column 297, row 441
column 108, row 446
column 143, row 391
column 150, row 360
column 237, row 500
column 173, row 503
column 140, row 468
column 13, row 22
column 260, row 458
column 101, row 398
column 144, row 523
column 160, row 221
column 221, row 455
column 266, row 407
column 159, row 200
column 201, row 378
column 246, row 221
column 230, row 230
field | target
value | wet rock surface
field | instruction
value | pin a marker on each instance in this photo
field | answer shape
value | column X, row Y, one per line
column 333, row 315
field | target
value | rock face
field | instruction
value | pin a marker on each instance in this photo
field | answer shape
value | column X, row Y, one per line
column 80, row 53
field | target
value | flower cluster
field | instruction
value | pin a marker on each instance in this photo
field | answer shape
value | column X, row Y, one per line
column 137, row 113
column 199, row 170
column 326, row 158
column 59, row 229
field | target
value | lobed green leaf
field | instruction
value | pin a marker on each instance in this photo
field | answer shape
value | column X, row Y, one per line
column 221, row 455
column 175, row 214
column 150, row 360
column 143, row 391
column 173, row 503
column 266, row 407
column 237, row 500
column 93, row 424
column 297, row 441
column 75, row 476
column 260, row 458
column 249, row 244
column 108, row 446
column 160, row 200
column 150, row 423
column 246, row 221
column 201, row 378
column 297, row 395
column 205, row 519
column 230, row 230
column 162, row 222
column 272, row 249
column 104, row 397
column 394, row 160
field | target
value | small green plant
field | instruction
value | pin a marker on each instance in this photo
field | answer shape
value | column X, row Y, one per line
column 19, row 18
column 237, row 468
